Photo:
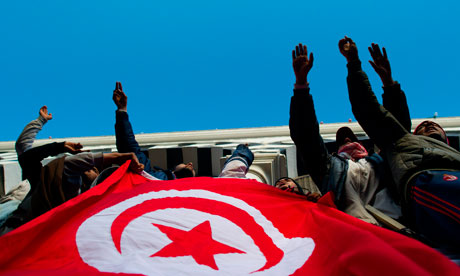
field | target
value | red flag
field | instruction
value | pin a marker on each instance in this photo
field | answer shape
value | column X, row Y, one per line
column 207, row 226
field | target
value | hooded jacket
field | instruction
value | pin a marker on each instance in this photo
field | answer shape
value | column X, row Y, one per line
column 406, row 154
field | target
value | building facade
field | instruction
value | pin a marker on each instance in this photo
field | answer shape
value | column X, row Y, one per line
column 275, row 153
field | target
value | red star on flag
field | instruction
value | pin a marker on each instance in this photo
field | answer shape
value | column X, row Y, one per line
column 197, row 242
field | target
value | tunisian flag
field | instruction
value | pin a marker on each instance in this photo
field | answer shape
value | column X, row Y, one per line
column 207, row 226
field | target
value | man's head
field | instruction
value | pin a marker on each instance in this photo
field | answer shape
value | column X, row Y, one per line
column 289, row 184
column 88, row 177
column 345, row 135
column 184, row 170
column 348, row 144
column 431, row 129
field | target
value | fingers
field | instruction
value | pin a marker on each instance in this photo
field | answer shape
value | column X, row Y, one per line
column 375, row 52
column 342, row 43
column 376, row 49
column 384, row 53
column 371, row 52
column 376, row 68
column 118, row 95
column 311, row 60
column 118, row 86
column 349, row 40
column 300, row 50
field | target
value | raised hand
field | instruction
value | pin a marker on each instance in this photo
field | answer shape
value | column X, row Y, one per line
column 135, row 165
column 313, row 197
column 381, row 64
column 301, row 63
column 348, row 49
column 73, row 148
column 119, row 97
column 44, row 113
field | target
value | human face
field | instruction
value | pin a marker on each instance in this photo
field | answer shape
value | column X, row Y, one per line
column 90, row 175
column 431, row 129
column 287, row 184
column 188, row 166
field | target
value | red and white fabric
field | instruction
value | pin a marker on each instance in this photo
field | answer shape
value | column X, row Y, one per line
column 207, row 226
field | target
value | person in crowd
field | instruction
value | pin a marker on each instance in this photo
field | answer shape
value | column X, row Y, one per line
column 394, row 100
column 352, row 175
column 62, row 179
column 31, row 162
column 238, row 164
column 30, row 159
column 10, row 202
column 27, row 137
column 290, row 185
column 425, row 169
column 126, row 141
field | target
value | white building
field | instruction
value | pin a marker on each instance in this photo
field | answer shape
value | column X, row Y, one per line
column 275, row 153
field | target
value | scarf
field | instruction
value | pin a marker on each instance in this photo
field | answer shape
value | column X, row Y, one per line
column 353, row 151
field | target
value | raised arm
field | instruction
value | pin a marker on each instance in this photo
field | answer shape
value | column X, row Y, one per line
column 30, row 160
column 125, row 139
column 394, row 99
column 303, row 125
column 238, row 164
column 78, row 164
column 379, row 124
column 28, row 134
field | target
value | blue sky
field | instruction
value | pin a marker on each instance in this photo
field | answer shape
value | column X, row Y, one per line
column 197, row 65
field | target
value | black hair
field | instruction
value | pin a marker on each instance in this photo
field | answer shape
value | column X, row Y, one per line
column 295, row 182
column 183, row 173
column 343, row 133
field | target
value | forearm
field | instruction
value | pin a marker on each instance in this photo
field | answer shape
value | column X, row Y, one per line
column 42, row 152
column 305, row 133
column 30, row 161
column 125, row 139
column 79, row 163
column 377, row 122
column 117, row 158
column 28, row 134
column 394, row 100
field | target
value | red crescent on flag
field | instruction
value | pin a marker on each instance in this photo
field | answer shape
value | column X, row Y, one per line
column 235, row 215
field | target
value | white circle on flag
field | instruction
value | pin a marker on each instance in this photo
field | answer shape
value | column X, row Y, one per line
column 140, row 239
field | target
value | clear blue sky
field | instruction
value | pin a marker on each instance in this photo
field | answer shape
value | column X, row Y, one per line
column 196, row 65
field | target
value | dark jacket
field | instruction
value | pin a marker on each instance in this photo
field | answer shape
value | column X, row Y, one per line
column 30, row 161
column 406, row 154
column 126, row 142
column 57, row 182
column 328, row 171
column 48, row 193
